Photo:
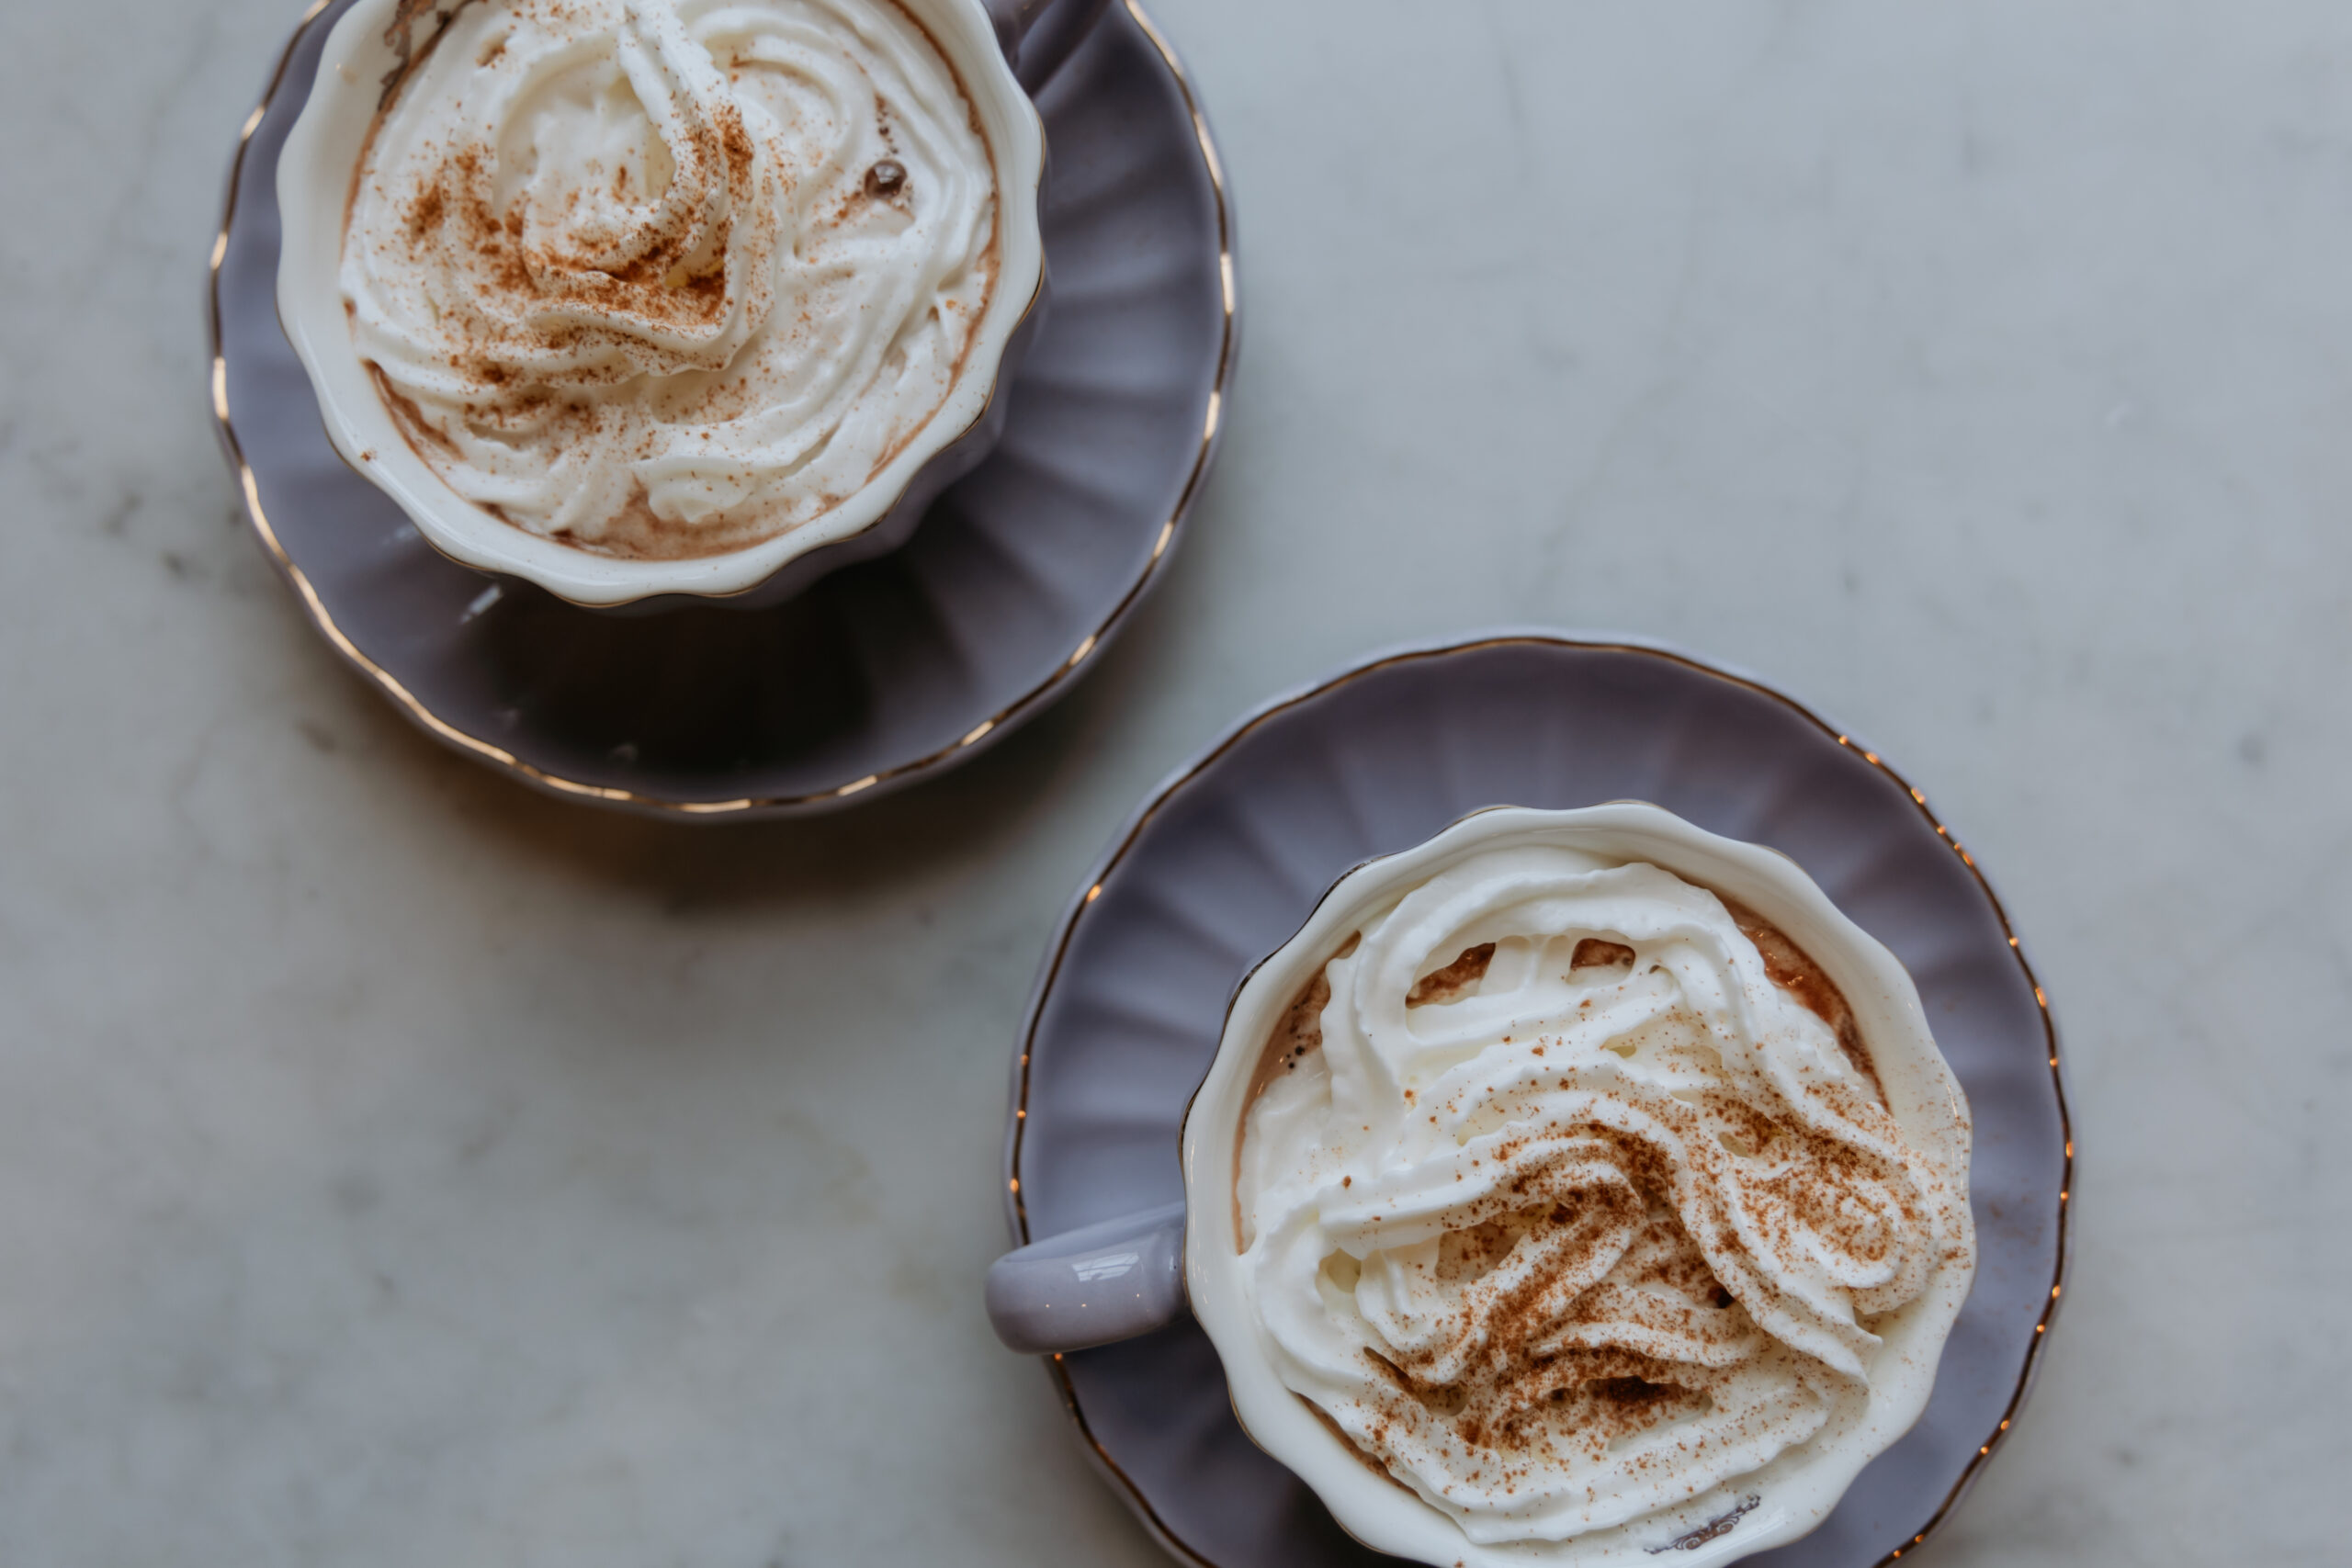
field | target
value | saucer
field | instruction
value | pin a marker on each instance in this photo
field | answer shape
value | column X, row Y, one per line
column 881, row 674
column 1227, row 860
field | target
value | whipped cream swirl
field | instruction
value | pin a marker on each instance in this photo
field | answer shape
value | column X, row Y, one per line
column 665, row 278
column 1570, row 1195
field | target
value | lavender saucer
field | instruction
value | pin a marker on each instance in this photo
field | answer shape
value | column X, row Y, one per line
column 880, row 674
column 1227, row 860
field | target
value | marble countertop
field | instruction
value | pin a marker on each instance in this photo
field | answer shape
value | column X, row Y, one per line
column 397, row 1167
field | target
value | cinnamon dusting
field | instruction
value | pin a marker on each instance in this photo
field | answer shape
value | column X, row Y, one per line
column 555, row 307
column 1524, row 1343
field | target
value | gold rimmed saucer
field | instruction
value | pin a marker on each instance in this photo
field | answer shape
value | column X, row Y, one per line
column 1227, row 858
column 882, row 673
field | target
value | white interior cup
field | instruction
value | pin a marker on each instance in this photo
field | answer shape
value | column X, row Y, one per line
column 314, row 182
column 1791, row 1495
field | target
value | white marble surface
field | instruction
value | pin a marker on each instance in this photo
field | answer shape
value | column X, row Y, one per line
column 400, row 1169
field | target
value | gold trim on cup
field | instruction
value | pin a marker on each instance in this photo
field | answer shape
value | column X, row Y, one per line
column 499, row 756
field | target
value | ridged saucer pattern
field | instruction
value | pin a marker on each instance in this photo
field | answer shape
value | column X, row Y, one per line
column 1229, row 857
column 883, row 672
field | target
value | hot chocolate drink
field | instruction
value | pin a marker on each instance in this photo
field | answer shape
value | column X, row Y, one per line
column 1567, row 1194
column 664, row 278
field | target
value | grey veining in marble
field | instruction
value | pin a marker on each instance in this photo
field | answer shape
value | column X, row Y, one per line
column 400, row 1169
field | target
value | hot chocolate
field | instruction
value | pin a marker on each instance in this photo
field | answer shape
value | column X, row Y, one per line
column 664, row 278
column 1567, row 1193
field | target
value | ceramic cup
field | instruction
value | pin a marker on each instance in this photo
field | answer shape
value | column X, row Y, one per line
column 1129, row 1276
column 1001, row 49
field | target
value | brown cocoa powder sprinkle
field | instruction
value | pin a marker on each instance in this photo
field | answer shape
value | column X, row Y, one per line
column 650, row 283
column 510, row 265
column 424, row 214
column 1507, row 1380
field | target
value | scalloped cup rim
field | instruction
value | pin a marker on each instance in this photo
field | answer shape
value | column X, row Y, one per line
column 1381, row 1513
column 315, row 175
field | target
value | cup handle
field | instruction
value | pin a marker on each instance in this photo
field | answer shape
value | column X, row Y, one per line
column 1090, row 1287
column 1038, row 36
